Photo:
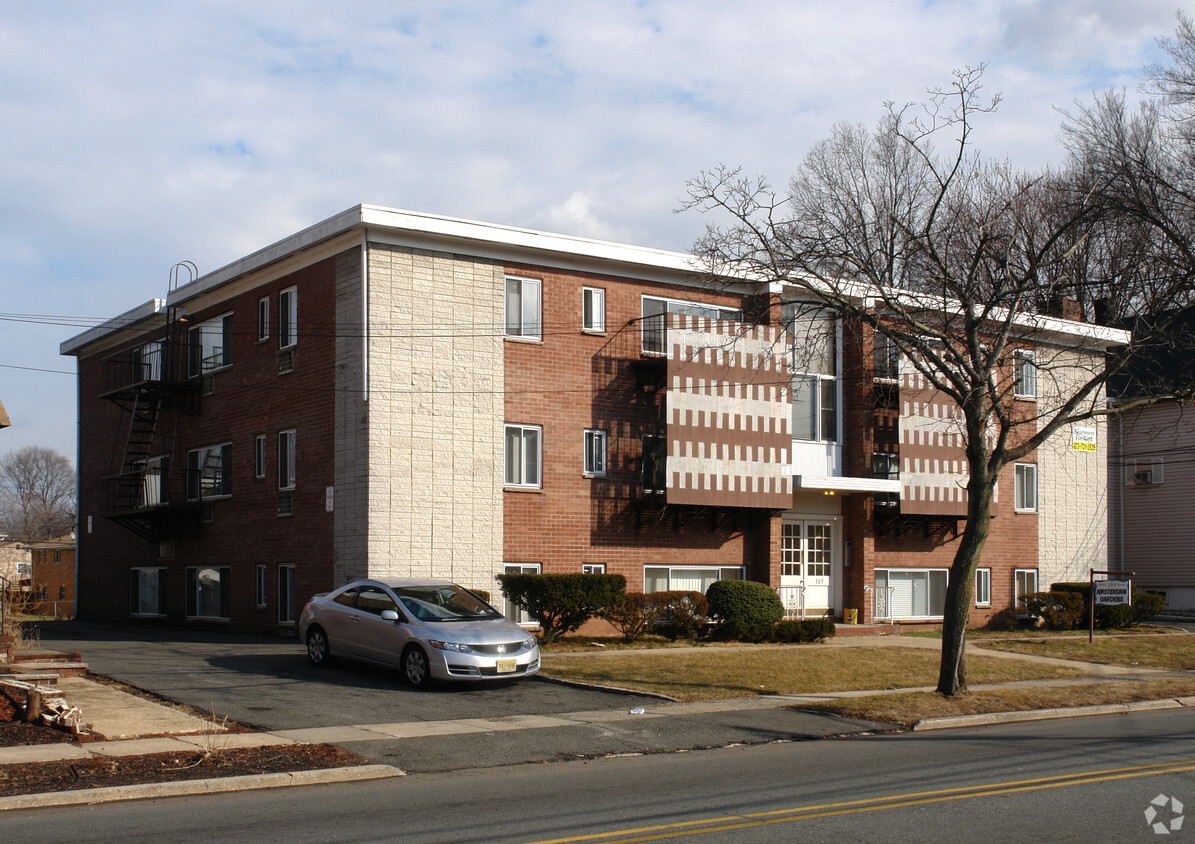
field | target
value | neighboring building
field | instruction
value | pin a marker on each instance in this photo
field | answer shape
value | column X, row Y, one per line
column 393, row 393
column 5, row 422
column 15, row 564
column 52, row 577
column 1151, row 471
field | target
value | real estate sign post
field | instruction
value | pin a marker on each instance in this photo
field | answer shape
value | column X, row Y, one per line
column 1109, row 593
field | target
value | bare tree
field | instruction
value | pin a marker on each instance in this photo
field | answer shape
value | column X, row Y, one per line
column 958, row 260
column 37, row 494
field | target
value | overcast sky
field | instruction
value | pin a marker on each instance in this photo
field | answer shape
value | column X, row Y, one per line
column 134, row 135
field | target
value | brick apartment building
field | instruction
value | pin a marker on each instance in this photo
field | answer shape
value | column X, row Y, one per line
column 393, row 393
column 52, row 576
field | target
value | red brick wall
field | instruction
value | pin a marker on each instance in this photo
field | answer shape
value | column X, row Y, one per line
column 570, row 382
column 248, row 398
column 55, row 580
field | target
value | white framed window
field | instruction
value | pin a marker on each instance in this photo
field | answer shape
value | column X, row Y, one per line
column 208, row 592
column 593, row 568
column 286, row 594
column 210, row 346
column 209, row 472
column 147, row 361
column 523, row 455
column 513, row 611
column 595, row 452
column 813, row 333
column 983, row 587
column 593, row 309
column 687, row 578
column 1024, row 582
column 288, row 317
column 147, row 591
column 524, row 308
column 910, row 593
column 1025, row 382
column 259, row 456
column 261, row 586
column 1146, row 472
column 286, row 459
column 263, row 319
column 655, row 319
column 1025, row 488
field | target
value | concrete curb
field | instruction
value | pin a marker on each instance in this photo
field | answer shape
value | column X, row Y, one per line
column 1047, row 714
column 184, row 788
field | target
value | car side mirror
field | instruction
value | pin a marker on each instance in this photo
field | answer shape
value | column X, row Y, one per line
column 390, row 615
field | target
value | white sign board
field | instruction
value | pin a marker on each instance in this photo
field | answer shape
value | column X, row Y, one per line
column 1083, row 439
column 1113, row 593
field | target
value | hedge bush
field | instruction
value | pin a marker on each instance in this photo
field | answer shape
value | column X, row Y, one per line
column 787, row 632
column 1144, row 607
column 745, row 601
column 636, row 615
column 682, row 613
column 563, row 602
column 1057, row 610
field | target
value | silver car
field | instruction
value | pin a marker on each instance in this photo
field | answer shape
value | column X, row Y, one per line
column 426, row 628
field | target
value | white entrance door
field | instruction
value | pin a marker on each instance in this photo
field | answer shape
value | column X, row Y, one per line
column 806, row 567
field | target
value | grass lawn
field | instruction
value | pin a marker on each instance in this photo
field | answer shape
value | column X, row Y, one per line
column 908, row 708
column 1172, row 653
column 713, row 673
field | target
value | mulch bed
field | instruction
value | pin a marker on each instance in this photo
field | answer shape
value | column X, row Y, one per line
column 100, row 772
column 75, row 774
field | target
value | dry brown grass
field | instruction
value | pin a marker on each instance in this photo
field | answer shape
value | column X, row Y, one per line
column 908, row 708
column 1171, row 653
column 740, row 672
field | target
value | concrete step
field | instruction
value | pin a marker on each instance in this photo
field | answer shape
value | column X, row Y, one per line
column 43, row 655
column 31, row 675
column 62, row 669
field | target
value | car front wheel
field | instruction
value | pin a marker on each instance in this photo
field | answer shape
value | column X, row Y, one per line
column 318, row 649
column 414, row 666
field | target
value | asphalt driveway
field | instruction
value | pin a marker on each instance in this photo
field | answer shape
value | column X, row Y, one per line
column 267, row 682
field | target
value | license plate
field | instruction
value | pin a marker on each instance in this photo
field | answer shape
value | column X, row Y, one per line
column 506, row 666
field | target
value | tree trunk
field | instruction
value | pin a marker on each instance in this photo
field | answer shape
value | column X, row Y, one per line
column 952, row 675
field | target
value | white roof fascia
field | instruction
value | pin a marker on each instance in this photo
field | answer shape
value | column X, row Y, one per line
column 128, row 320
column 846, row 484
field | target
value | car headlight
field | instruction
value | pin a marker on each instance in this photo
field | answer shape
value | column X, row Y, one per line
column 455, row 647
column 529, row 643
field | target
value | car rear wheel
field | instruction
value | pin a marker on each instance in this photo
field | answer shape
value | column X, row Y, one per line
column 414, row 666
column 318, row 649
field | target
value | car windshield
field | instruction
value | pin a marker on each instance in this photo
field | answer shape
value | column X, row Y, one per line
column 444, row 603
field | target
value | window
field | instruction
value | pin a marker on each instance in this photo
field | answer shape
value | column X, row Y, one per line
column 210, row 346
column 688, row 579
column 655, row 319
column 593, row 309
column 983, row 587
column 261, row 586
column 595, row 452
column 263, row 319
column 513, row 611
column 62, row 593
column 814, row 335
column 1147, row 472
column 885, row 466
column 147, row 591
column 1024, row 583
column 208, row 592
column 910, row 593
column 886, row 358
column 288, row 317
column 593, row 568
column 286, row 459
column 286, row 595
column 1025, row 383
column 1025, row 488
column 209, row 472
column 655, row 463
column 523, row 308
column 523, row 456
column 259, row 456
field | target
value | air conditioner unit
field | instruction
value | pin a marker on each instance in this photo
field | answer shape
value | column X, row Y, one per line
column 1144, row 477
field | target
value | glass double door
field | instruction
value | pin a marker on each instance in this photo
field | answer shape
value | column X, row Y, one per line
column 807, row 566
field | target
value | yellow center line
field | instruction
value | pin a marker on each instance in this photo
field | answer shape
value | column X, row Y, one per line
column 872, row 804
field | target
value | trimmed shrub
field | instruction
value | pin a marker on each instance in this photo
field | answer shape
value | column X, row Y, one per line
column 747, row 601
column 636, row 615
column 682, row 614
column 786, row 632
column 563, row 602
column 1057, row 610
